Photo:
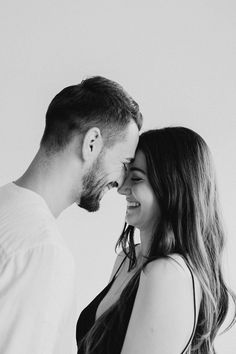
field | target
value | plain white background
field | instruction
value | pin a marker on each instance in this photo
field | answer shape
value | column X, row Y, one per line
column 176, row 58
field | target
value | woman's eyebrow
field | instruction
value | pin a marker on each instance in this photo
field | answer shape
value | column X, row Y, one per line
column 133, row 168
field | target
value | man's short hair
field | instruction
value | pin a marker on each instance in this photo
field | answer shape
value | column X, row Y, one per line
column 95, row 102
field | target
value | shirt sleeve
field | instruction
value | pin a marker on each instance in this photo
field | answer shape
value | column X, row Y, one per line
column 36, row 296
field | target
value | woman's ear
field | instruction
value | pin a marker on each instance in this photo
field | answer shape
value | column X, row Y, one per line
column 92, row 144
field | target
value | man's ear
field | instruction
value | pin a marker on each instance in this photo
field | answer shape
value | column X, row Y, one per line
column 92, row 144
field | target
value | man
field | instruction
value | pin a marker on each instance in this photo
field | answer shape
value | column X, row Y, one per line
column 90, row 136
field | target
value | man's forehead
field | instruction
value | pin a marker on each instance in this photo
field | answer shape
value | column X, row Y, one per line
column 132, row 132
column 126, row 145
column 127, row 149
column 131, row 138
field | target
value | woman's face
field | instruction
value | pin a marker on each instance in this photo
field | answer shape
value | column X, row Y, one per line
column 143, row 210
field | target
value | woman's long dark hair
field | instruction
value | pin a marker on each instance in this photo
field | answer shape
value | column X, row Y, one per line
column 182, row 176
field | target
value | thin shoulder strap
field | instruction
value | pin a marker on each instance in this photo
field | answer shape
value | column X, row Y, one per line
column 194, row 306
column 184, row 351
column 117, row 271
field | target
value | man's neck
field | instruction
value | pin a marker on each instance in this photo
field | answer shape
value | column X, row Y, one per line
column 54, row 180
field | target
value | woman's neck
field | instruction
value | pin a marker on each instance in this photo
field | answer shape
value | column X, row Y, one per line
column 145, row 238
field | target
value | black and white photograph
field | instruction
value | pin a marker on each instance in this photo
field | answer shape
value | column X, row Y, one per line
column 118, row 177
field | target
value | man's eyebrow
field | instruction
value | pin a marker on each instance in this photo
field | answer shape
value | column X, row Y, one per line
column 137, row 169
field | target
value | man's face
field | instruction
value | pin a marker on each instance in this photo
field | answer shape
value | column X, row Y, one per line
column 109, row 169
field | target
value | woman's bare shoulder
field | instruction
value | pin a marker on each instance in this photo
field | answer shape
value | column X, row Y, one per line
column 172, row 264
column 172, row 272
column 164, row 269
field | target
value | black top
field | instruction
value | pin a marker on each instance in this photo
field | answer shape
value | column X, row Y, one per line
column 113, row 341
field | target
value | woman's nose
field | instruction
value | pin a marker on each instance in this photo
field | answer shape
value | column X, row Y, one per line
column 124, row 188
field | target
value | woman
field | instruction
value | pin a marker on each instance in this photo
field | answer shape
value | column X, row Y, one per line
column 166, row 295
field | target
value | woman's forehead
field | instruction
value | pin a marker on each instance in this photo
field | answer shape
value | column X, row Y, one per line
column 139, row 160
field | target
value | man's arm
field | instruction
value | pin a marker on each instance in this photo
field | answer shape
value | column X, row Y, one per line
column 36, row 293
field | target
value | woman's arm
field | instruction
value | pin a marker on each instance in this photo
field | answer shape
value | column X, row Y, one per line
column 163, row 314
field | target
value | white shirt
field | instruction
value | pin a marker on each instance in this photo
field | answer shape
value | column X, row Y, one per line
column 37, row 278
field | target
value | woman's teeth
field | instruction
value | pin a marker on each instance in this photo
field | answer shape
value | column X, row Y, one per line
column 133, row 204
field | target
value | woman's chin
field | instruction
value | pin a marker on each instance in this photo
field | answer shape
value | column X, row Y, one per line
column 131, row 221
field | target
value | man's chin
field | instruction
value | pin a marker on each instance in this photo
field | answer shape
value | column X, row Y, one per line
column 92, row 203
column 90, row 206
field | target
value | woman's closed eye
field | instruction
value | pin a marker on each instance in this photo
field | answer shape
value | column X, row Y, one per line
column 136, row 179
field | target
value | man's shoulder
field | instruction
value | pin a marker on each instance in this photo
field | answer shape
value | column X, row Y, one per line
column 45, row 242
column 15, row 200
column 25, row 222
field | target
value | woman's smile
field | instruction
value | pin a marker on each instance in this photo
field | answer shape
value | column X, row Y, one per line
column 132, row 204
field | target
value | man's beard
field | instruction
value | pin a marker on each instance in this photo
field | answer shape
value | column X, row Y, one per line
column 92, row 188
